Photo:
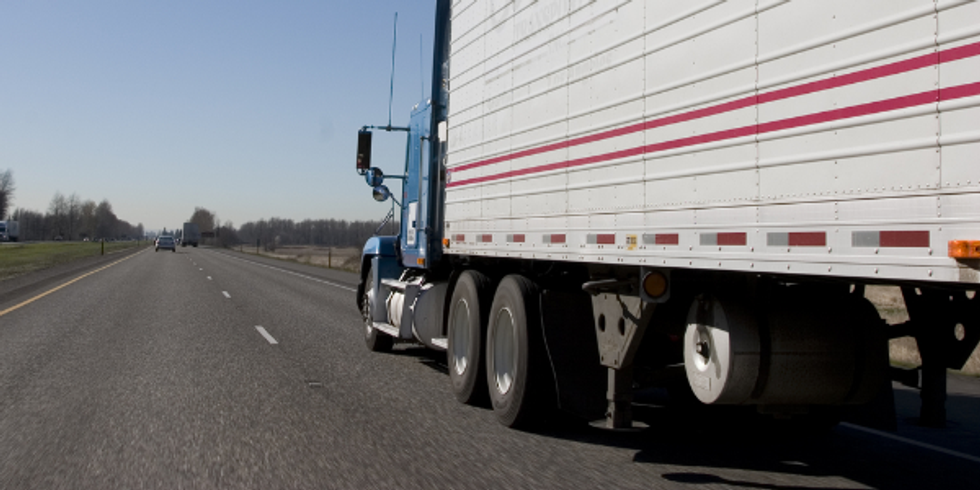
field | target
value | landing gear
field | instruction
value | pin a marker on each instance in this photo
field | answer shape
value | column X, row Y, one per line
column 946, row 327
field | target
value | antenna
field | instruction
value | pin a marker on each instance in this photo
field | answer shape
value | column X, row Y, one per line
column 421, row 70
column 391, row 89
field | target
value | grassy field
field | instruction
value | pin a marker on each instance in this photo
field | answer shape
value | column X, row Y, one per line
column 347, row 259
column 22, row 258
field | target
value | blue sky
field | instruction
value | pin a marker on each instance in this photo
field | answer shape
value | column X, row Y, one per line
column 247, row 108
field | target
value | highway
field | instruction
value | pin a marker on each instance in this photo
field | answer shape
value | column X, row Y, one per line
column 208, row 368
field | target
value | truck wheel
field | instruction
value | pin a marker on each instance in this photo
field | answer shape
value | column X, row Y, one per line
column 376, row 341
column 518, row 373
column 468, row 312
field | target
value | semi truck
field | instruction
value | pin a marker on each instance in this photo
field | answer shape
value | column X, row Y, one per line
column 9, row 231
column 606, row 195
column 191, row 235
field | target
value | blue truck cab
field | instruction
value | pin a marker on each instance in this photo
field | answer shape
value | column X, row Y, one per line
column 403, row 270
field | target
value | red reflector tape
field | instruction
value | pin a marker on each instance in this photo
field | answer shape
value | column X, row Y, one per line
column 903, row 238
column 729, row 239
column 807, row 239
column 609, row 239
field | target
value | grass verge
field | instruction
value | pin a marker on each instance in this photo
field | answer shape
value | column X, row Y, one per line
column 23, row 258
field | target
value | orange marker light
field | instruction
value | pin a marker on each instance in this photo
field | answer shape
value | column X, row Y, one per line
column 445, row 242
column 655, row 284
column 420, row 261
column 964, row 249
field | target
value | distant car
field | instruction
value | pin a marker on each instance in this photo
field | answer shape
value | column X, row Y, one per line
column 166, row 242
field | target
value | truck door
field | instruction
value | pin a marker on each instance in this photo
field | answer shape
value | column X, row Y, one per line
column 416, row 213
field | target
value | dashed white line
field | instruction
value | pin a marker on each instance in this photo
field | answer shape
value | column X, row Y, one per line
column 304, row 276
column 200, row 269
column 923, row 445
column 209, row 278
column 226, row 294
column 265, row 334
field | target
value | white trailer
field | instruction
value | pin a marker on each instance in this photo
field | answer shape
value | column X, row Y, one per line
column 9, row 231
column 718, row 180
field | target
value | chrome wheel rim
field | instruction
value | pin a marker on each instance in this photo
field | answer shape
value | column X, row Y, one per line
column 461, row 336
column 504, row 355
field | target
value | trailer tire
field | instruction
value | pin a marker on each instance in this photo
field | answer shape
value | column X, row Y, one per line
column 376, row 341
column 469, row 310
column 518, row 372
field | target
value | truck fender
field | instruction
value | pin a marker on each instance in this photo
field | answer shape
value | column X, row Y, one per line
column 376, row 246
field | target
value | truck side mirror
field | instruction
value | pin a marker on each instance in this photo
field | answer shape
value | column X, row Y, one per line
column 363, row 151
column 374, row 177
column 381, row 193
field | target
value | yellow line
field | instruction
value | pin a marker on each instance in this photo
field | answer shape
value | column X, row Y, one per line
column 69, row 283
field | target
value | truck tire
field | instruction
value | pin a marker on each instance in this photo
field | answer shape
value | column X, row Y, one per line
column 518, row 372
column 376, row 341
column 469, row 310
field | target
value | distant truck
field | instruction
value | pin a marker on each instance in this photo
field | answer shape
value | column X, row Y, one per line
column 9, row 231
column 191, row 235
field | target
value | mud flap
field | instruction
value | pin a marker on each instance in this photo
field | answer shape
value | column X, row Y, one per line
column 569, row 333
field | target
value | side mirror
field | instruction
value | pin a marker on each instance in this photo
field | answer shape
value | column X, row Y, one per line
column 363, row 151
column 381, row 193
column 374, row 177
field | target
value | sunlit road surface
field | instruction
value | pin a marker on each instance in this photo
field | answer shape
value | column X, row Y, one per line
column 211, row 369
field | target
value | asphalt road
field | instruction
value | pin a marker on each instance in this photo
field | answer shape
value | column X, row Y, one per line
column 151, row 372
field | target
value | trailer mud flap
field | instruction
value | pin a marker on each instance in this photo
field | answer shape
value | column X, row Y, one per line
column 570, row 339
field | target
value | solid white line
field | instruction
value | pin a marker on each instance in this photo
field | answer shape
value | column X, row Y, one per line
column 265, row 334
column 923, row 445
column 226, row 294
column 341, row 286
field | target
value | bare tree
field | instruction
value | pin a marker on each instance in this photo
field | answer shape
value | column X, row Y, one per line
column 204, row 219
column 73, row 209
column 106, row 220
column 6, row 191
column 57, row 213
column 87, row 219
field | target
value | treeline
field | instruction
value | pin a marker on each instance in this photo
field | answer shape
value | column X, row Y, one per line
column 321, row 232
column 6, row 191
column 71, row 218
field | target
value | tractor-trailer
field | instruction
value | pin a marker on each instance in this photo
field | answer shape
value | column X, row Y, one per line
column 9, row 231
column 191, row 235
column 611, row 194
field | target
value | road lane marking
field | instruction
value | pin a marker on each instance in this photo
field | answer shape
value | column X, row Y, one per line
column 226, row 294
column 200, row 269
column 304, row 276
column 209, row 278
column 923, row 445
column 265, row 334
column 69, row 283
